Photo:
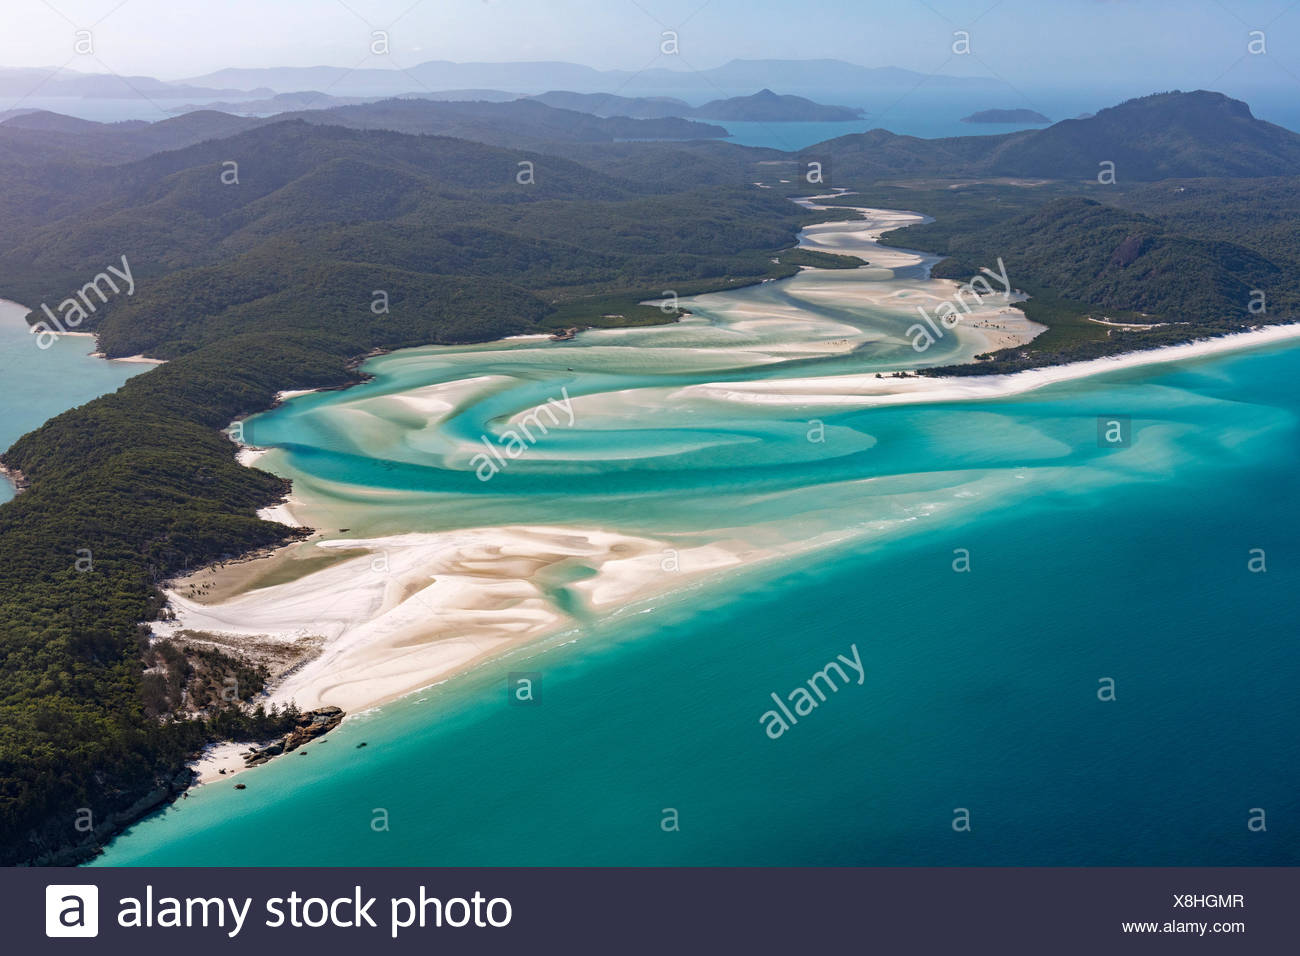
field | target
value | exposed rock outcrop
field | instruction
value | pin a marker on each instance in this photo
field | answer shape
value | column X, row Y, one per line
column 313, row 724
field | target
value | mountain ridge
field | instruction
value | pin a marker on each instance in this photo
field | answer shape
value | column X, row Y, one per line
column 1160, row 136
column 763, row 106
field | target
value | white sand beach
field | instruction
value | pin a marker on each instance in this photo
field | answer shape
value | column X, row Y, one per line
column 130, row 359
column 413, row 608
column 216, row 758
column 868, row 390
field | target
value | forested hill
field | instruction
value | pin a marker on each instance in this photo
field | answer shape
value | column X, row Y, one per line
column 519, row 122
column 611, row 104
column 1114, row 259
column 1116, row 268
column 768, row 107
column 1162, row 136
column 39, row 138
column 420, row 216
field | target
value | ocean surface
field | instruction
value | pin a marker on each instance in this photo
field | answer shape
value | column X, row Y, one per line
column 924, row 112
column 36, row 384
column 982, row 695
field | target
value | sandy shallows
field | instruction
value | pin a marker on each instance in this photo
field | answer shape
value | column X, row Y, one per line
column 409, row 610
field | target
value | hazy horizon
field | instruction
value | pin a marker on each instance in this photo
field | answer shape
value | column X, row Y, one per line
column 1096, row 44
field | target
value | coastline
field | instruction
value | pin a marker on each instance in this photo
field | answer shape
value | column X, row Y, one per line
column 371, row 643
column 481, row 585
column 989, row 327
column 249, row 455
column 95, row 354
column 14, row 477
column 484, row 587
column 132, row 359
column 218, row 761
column 866, row 389
column 18, row 313
column 370, row 640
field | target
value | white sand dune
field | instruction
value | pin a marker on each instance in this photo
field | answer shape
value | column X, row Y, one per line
column 417, row 607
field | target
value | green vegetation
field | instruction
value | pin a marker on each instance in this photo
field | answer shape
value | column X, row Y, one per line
column 626, row 309
column 40, row 138
column 819, row 260
column 1164, row 136
column 247, row 290
column 505, row 124
column 1184, row 257
column 768, row 107
column 1114, row 259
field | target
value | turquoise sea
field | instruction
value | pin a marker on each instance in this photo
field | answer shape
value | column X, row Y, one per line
column 1088, row 564
column 39, row 384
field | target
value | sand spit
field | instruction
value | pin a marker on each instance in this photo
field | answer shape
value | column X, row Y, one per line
column 868, row 390
column 411, row 609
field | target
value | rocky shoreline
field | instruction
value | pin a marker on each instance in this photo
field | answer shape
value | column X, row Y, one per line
column 165, row 790
column 15, row 477
column 311, row 725
column 50, row 850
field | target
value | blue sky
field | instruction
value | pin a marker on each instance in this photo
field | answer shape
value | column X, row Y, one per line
column 1094, row 44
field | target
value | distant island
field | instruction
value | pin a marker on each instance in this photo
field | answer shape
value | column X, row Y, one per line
column 1006, row 116
column 769, row 107
column 762, row 107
